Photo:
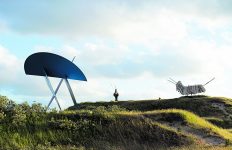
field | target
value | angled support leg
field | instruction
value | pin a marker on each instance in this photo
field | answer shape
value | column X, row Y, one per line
column 54, row 95
column 70, row 91
column 55, row 92
column 51, row 88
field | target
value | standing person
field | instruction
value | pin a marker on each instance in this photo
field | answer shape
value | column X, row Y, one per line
column 116, row 95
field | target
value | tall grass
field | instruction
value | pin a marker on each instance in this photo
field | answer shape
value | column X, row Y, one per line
column 112, row 127
column 194, row 121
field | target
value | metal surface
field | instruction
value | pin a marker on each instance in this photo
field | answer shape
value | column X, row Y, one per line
column 189, row 90
column 209, row 81
column 54, row 65
column 51, row 88
column 70, row 91
column 54, row 94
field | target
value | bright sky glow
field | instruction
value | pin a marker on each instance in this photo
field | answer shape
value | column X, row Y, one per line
column 131, row 44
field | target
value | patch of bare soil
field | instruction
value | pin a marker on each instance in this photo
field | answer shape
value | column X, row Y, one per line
column 209, row 139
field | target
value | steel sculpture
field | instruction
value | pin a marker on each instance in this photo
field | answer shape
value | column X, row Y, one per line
column 52, row 65
column 191, row 89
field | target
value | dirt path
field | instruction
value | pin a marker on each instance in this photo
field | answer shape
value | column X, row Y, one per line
column 212, row 140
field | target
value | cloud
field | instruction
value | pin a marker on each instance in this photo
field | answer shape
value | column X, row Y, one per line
column 187, row 57
column 135, row 44
column 61, row 18
column 14, row 80
column 126, row 20
column 7, row 66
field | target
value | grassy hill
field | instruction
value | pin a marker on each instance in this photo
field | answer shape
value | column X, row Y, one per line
column 217, row 110
column 198, row 122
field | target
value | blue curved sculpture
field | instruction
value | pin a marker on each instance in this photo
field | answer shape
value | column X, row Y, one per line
column 52, row 65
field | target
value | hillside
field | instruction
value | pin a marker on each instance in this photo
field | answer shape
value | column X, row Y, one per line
column 183, row 123
column 217, row 110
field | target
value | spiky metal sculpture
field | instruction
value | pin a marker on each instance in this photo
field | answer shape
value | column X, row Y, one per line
column 191, row 89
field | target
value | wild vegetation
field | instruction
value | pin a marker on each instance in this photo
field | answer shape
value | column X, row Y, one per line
column 183, row 123
column 217, row 110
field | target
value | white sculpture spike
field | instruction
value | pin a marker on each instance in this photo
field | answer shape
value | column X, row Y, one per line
column 209, row 81
column 172, row 80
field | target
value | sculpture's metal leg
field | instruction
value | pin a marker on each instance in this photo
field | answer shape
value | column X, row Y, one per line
column 51, row 89
column 54, row 95
column 70, row 91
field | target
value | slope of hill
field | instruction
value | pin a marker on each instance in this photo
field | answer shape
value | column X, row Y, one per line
column 187, row 122
column 151, row 125
column 217, row 110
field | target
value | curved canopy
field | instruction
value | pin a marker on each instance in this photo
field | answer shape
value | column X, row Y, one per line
column 52, row 65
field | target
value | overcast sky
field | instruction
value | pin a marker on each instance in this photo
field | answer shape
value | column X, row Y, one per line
column 131, row 44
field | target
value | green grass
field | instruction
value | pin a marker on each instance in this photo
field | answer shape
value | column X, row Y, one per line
column 124, row 132
column 110, row 126
column 200, row 105
column 198, row 122
column 190, row 119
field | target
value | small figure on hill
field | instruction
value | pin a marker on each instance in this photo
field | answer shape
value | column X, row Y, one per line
column 116, row 95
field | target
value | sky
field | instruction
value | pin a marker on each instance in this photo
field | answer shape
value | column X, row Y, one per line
column 132, row 45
